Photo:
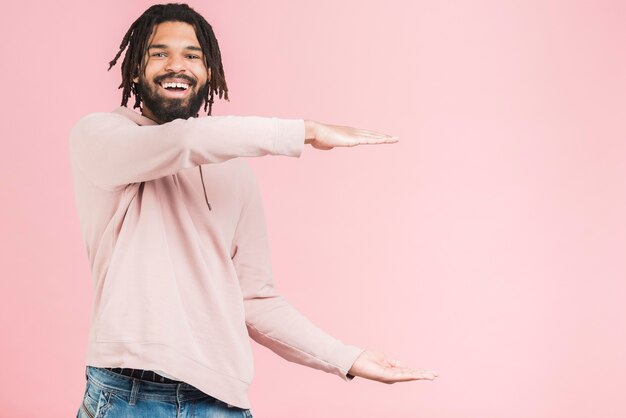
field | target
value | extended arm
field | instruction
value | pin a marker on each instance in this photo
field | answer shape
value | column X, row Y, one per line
column 274, row 323
column 112, row 150
column 270, row 319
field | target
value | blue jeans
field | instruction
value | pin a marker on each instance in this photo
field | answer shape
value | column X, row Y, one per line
column 112, row 395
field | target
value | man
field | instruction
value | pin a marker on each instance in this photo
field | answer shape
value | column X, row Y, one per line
column 175, row 234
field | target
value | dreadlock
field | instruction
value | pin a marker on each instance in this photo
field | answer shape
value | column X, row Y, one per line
column 136, row 39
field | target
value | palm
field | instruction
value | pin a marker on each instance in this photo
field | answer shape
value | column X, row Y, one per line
column 377, row 366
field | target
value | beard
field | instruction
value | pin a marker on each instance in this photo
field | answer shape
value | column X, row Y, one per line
column 166, row 109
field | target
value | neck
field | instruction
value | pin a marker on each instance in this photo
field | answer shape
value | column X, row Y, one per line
column 148, row 113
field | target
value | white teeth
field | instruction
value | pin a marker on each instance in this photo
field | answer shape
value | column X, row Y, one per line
column 178, row 85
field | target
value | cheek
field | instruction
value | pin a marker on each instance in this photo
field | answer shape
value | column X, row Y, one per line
column 201, row 74
column 152, row 68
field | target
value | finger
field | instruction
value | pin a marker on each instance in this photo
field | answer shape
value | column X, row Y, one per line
column 378, row 136
column 372, row 133
column 423, row 374
column 377, row 140
column 405, row 374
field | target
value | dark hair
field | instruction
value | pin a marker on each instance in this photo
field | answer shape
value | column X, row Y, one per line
column 136, row 39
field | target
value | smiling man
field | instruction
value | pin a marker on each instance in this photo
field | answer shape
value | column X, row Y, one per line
column 174, row 230
column 171, row 94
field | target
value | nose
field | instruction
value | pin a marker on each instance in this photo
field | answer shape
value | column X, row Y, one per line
column 175, row 63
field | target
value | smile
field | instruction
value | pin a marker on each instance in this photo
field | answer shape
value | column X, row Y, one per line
column 175, row 89
column 183, row 86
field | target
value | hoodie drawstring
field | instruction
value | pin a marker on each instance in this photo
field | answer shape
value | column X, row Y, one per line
column 204, row 188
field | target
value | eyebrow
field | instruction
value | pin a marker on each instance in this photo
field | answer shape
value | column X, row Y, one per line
column 163, row 46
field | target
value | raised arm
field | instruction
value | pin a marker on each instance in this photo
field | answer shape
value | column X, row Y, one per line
column 112, row 151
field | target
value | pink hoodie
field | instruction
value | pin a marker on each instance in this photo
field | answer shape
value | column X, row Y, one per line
column 175, row 234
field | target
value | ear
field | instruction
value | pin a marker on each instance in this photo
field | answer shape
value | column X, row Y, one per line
column 208, row 74
column 136, row 79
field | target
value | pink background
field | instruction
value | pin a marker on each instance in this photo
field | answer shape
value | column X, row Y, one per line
column 488, row 244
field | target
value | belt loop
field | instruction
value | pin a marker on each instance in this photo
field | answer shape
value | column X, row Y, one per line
column 134, row 391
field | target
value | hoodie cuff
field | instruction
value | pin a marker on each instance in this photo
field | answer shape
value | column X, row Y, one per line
column 343, row 358
column 290, row 135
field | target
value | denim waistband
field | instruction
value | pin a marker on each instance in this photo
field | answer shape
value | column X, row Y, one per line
column 132, row 387
column 142, row 374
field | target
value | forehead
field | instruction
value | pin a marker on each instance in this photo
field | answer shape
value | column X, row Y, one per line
column 174, row 34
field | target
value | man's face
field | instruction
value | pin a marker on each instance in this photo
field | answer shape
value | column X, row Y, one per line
column 175, row 81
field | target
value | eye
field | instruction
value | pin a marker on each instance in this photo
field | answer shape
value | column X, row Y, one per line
column 193, row 57
column 156, row 54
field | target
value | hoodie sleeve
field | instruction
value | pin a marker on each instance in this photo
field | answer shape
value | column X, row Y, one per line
column 270, row 319
column 113, row 151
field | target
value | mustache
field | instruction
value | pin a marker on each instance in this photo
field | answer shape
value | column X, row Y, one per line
column 180, row 77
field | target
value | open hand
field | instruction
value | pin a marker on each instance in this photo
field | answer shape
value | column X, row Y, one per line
column 324, row 136
column 377, row 366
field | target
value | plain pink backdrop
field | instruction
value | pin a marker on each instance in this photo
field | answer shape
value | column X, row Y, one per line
column 488, row 244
